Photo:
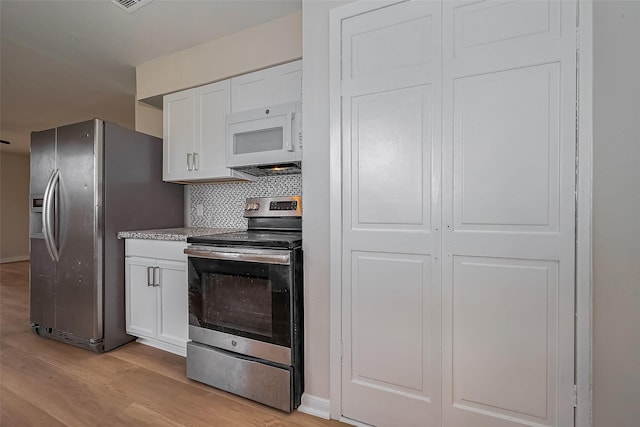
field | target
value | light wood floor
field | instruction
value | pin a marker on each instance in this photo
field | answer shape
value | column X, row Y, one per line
column 46, row 383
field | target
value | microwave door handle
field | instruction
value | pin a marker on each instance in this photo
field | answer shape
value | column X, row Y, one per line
column 288, row 143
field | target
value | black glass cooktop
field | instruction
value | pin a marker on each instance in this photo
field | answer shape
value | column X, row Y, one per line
column 260, row 238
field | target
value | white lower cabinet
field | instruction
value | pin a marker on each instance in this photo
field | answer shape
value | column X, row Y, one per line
column 157, row 293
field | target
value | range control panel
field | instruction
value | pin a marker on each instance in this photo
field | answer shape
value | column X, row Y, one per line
column 273, row 206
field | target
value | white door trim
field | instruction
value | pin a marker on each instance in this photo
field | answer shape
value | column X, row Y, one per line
column 335, row 217
column 584, row 209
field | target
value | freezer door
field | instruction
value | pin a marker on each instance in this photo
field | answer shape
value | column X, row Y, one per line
column 78, row 219
column 43, row 268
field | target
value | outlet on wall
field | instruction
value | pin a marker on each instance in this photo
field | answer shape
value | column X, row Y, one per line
column 199, row 210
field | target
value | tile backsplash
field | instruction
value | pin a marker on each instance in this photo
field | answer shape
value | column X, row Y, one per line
column 222, row 204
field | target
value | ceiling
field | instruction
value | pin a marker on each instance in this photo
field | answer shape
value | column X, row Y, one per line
column 66, row 61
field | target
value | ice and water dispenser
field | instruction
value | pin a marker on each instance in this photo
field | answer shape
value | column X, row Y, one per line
column 35, row 217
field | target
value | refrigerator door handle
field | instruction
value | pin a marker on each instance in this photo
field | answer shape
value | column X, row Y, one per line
column 150, row 276
column 47, row 226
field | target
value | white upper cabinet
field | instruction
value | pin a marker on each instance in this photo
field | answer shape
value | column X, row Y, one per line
column 194, row 120
column 275, row 85
column 178, row 133
column 194, row 134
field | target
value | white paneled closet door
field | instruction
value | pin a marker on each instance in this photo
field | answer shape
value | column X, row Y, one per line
column 458, row 211
column 391, row 215
column 509, row 120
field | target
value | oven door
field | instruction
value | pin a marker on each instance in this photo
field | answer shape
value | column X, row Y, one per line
column 240, row 299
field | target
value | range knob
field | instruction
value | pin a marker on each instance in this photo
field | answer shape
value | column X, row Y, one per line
column 252, row 207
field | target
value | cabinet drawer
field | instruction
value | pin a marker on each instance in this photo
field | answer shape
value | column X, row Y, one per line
column 161, row 249
column 245, row 377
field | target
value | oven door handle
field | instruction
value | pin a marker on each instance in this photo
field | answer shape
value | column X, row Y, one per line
column 264, row 257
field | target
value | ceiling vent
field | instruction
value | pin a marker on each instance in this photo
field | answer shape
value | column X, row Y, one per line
column 130, row 5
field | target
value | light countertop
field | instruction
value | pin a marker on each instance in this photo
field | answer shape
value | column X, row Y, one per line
column 177, row 234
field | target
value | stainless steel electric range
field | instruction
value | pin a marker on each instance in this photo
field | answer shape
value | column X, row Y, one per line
column 246, row 306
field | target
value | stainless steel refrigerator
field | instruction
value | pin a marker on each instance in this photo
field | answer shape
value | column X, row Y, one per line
column 88, row 181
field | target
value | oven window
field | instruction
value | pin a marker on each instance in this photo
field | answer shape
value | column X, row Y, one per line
column 247, row 299
column 238, row 303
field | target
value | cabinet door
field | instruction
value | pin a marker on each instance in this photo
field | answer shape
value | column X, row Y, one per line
column 213, row 103
column 174, row 308
column 275, row 85
column 179, row 135
column 141, row 297
column 250, row 91
column 286, row 82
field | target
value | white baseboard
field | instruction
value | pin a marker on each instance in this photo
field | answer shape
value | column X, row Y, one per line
column 354, row 422
column 315, row 406
column 171, row 348
column 14, row 259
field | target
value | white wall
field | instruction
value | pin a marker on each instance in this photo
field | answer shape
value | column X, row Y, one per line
column 616, row 214
column 148, row 119
column 315, row 187
column 14, row 206
column 262, row 46
column 257, row 47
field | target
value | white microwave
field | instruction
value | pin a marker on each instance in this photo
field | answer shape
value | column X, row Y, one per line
column 265, row 140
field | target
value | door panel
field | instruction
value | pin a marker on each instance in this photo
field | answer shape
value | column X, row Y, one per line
column 42, row 290
column 268, row 87
column 42, row 268
column 375, row 50
column 213, row 103
column 382, row 309
column 250, row 91
column 508, row 210
column 506, row 146
column 390, row 150
column 174, row 305
column 141, row 297
column 481, row 27
column 179, row 135
column 504, row 336
column 287, row 85
column 79, row 279
column 391, row 215
column 42, row 159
